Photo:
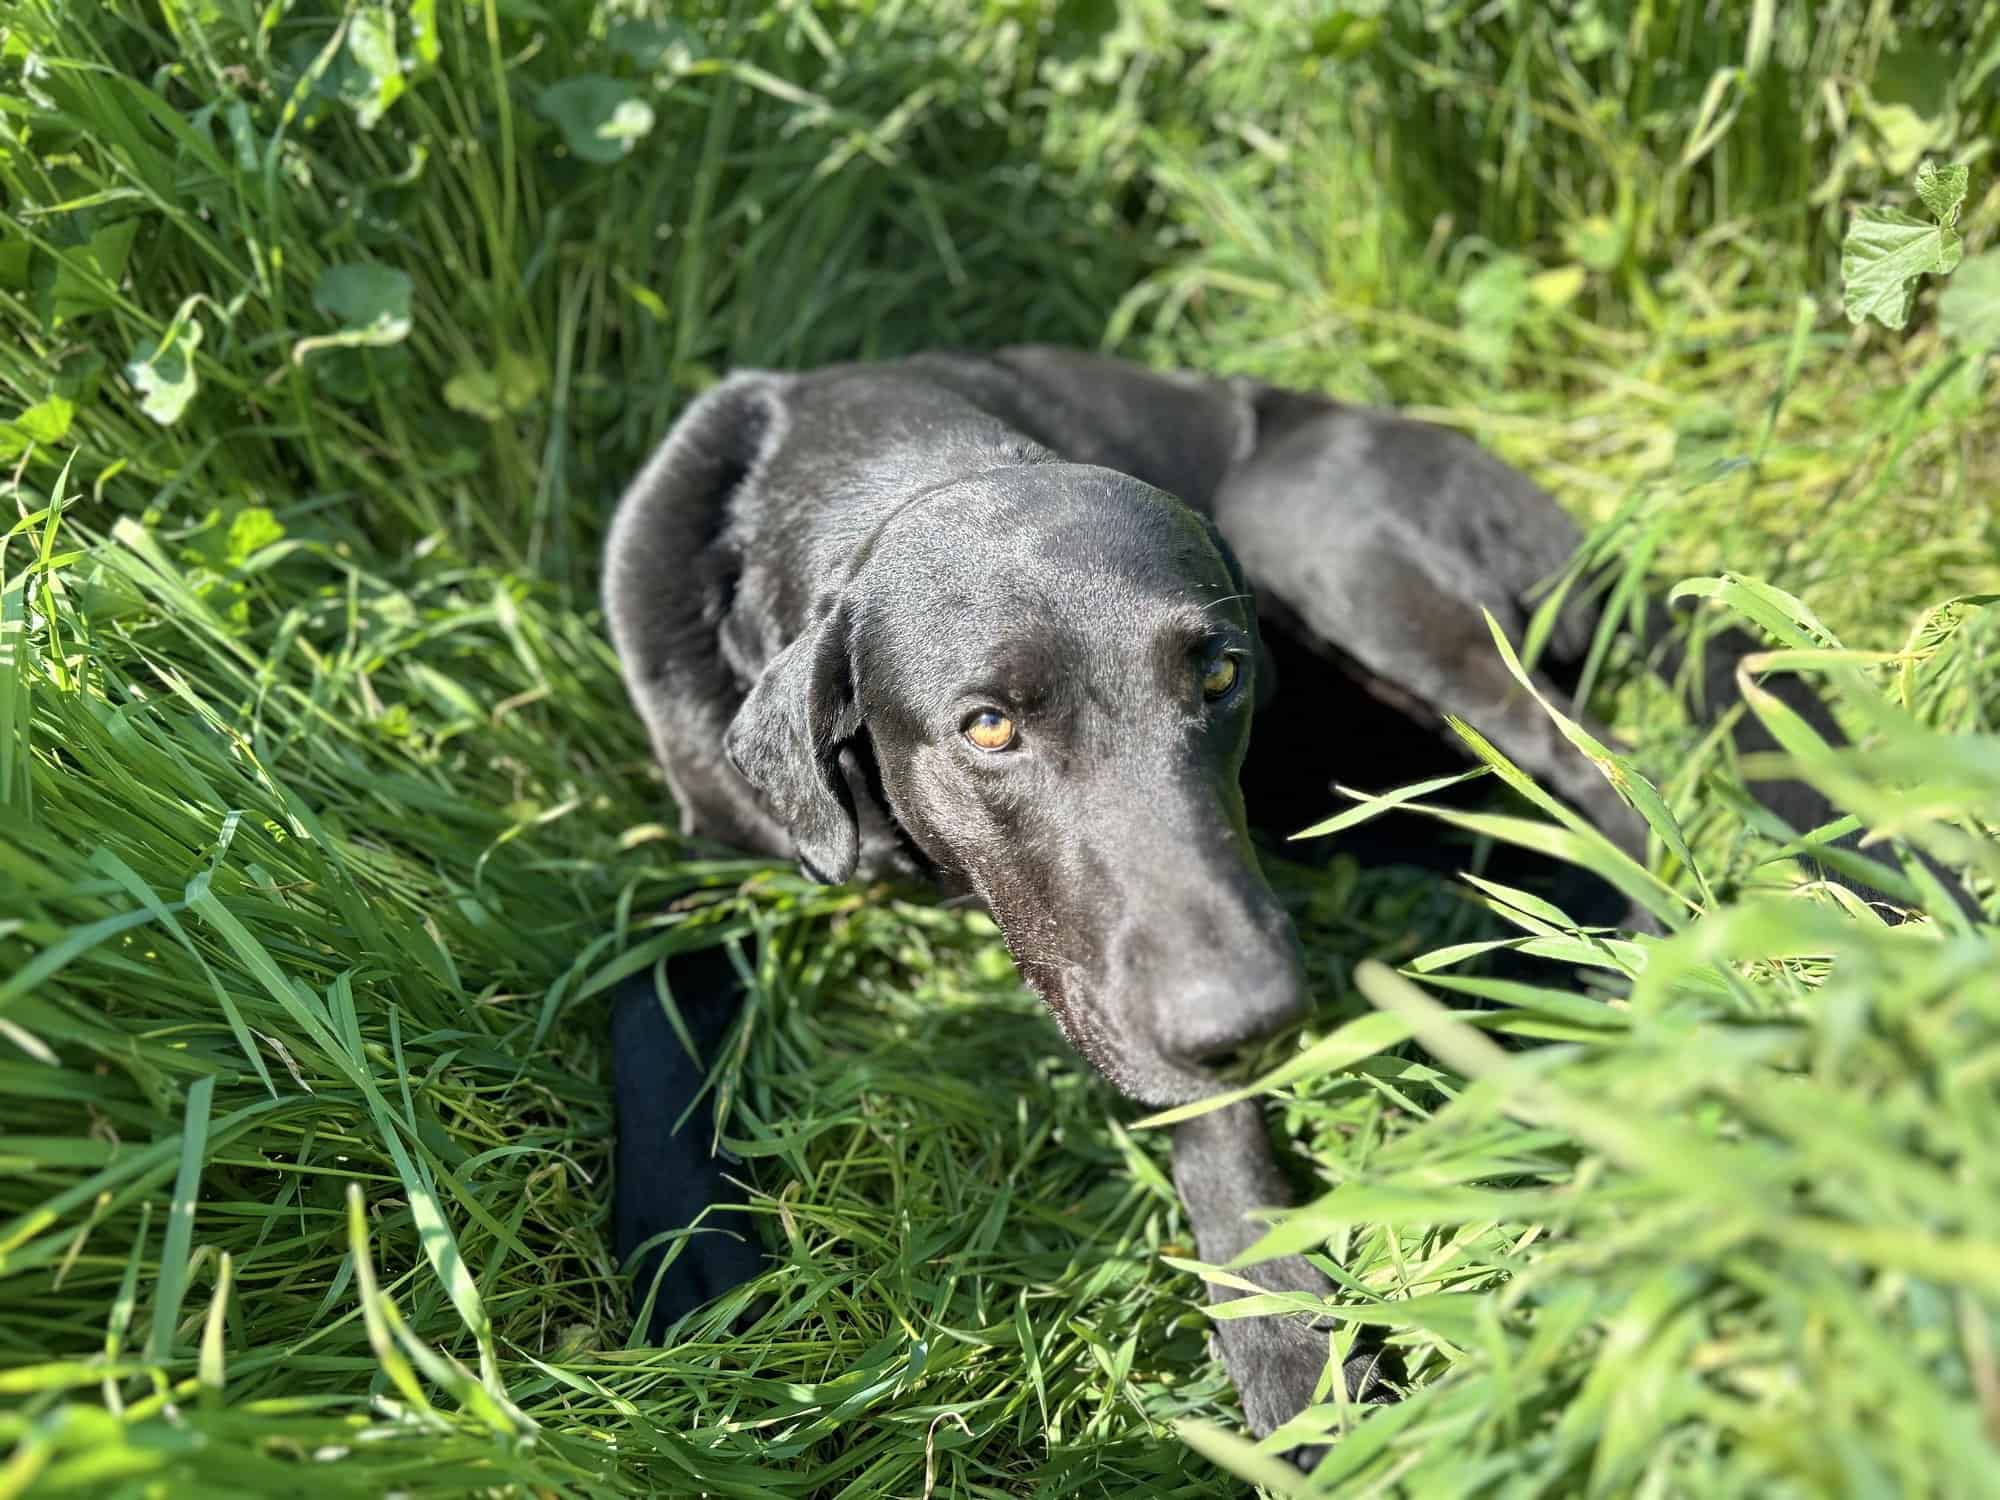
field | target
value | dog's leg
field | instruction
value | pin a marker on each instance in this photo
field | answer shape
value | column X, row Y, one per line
column 1223, row 1169
column 666, row 1178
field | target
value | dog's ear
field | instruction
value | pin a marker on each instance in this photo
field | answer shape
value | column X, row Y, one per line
column 786, row 742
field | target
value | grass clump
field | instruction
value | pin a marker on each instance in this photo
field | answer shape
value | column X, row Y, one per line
column 330, row 331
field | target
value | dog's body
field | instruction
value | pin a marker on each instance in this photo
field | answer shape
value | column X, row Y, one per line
column 834, row 594
column 1370, row 541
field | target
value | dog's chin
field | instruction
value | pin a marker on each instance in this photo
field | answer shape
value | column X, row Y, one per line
column 1144, row 1074
column 1119, row 1050
column 1153, row 1080
column 1167, row 1085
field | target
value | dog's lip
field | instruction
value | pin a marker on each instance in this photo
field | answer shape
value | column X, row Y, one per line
column 1135, row 1063
column 1187, row 1082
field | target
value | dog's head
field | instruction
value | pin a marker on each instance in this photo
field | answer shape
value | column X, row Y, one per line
column 1053, row 669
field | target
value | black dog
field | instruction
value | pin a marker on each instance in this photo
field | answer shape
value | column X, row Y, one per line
column 1005, row 623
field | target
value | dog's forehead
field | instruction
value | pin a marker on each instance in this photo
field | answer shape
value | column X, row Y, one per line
column 1035, row 586
column 1057, row 539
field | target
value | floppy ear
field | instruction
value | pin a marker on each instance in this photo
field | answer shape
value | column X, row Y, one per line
column 786, row 740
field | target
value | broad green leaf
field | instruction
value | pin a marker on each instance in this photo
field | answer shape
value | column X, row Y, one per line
column 1588, row 33
column 86, row 271
column 354, row 367
column 476, row 393
column 511, row 386
column 162, row 371
column 601, row 119
column 1490, row 308
column 1887, row 251
column 1942, row 189
column 371, row 42
column 1779, row 613
column 1969, row 307
column 46, row 422
column 370, row 302
column 1883, row 256
column 1598, row 241
column 651, row 44
column 253, row 529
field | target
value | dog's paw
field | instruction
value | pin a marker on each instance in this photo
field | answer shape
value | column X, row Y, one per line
column 719, row 1255
column 1276, row 1364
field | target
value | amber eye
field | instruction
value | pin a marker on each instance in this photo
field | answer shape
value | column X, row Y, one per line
column 1219, row 679
column 989, row 729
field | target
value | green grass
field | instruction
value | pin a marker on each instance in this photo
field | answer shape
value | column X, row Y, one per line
column 324, row 826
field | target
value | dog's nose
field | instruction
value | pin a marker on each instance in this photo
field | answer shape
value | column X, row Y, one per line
column 1217, row 992
column 1206, row 1022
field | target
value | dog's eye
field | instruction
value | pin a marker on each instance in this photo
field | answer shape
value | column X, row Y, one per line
column 989, row 729
column 1220, row 677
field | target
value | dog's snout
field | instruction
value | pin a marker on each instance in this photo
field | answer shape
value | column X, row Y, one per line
column 1205, row 1021
column 1216, row 971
